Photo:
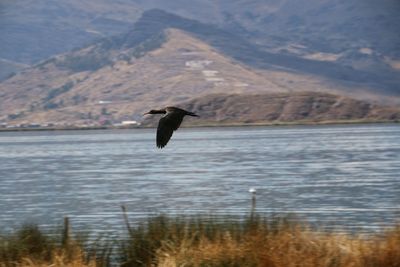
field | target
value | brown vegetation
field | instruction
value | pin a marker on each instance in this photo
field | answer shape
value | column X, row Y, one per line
column 208, row 241
column 284, row 108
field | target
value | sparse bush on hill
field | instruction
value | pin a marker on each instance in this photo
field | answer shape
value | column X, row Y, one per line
column 14, row 116
column 87, row 62
column 53, row 93
column 60, row 90
column 102, row 55
column 148, row 45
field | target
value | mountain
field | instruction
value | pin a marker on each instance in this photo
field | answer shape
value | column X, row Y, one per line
column 330, row 26
column 167, row 59
column 32, row 31
column 125, row 79
column 361, row 35
column 351, row 41
column 385, row 82
column 120, row 78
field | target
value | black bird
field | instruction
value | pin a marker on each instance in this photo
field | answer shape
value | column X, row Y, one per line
column 169, row 123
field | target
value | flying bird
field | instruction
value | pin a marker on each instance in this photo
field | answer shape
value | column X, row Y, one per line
column 169, row 123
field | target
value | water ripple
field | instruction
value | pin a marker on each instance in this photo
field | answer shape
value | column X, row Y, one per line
column 348, row 175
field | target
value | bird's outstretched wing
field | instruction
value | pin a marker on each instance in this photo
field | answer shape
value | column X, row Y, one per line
column 166, row 126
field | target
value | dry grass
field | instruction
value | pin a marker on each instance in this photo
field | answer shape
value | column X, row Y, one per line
column 276, row 243
column 60, row 258
column 284, row 248
column 30, row 247
column 209, row 241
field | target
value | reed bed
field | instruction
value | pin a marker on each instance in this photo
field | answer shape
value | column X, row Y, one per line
column 166, row 241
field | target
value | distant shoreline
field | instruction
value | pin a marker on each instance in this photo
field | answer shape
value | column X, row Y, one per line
column 200, row 125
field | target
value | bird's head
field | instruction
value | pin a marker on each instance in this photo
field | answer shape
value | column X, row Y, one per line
column 154, row 111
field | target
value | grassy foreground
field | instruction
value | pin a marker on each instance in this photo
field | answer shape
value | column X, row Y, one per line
column 204, row 241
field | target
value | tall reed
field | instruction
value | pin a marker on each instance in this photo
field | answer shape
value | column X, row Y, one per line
column 166, row 241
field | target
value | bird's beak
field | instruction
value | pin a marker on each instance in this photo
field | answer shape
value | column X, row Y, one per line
column 146, row 113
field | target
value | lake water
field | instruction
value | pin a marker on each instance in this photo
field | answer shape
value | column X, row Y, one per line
column 347, row 176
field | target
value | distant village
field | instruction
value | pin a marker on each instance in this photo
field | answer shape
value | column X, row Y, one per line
column 103, row 120
column 65, row 125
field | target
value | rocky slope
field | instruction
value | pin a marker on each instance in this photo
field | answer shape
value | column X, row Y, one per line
column 163, row 60
column 281, row 108
column 170, row 68
column 350, row 41
column 359, row 35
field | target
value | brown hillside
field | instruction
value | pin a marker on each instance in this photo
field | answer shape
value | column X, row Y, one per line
column 183, row 67
column 307, row 107
column 115, row 83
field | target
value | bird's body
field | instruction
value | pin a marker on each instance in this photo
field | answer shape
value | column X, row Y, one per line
column 169, row 123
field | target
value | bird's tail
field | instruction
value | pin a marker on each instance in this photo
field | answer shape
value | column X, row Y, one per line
column 191, row 114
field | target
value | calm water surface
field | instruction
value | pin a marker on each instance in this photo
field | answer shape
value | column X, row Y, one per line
column 347, row 176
